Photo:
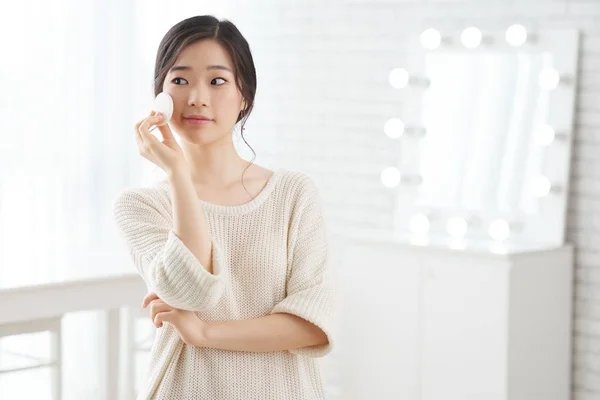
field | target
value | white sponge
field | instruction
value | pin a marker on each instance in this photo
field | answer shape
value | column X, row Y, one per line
column 163, row 103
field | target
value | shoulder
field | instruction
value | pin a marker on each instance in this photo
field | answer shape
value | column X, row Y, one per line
column 151, row 198
column 299, row 182
column 300, row 188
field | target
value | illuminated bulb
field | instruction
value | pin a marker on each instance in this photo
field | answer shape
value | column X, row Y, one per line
column 457, row 227
column 471, row 37
column 419, row 224
column 541, row 186
column 516, row 35
column 545, row 135
column 499, row 230
column 390, row 177
column 399, row 78
column 394, row 128
column 431, row 39
column 548, row 78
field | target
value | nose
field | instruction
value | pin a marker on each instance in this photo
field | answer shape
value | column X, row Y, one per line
column 199, row 96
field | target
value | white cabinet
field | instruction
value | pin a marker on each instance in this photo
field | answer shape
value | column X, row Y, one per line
column 377, row 352
column 464, row 323
column 426, row 323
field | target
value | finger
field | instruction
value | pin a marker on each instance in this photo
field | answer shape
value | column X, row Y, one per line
column 138, row 132
column 147, row 137
column 137, row 125
column 163, row 317
column 145, row 126
column 138, row 138
column 151, row 119
column 152, row 145
column 140, row 122
column 150, row 141
column 157, row 304
column 148, row 298
column 157, row 308
column 165, row 130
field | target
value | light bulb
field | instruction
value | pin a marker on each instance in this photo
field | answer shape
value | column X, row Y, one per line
column 545, row 135
column 394, row 128
column 548, row 78
column 419, row 224
column 399, row 78
column 457, row 227
column 390, row 177
column 499, row 230
column 541, row 186
column 516, row 35
column 471, row 37
column 431, row 39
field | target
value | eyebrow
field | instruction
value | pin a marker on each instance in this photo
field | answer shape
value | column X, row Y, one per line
column 187, row 68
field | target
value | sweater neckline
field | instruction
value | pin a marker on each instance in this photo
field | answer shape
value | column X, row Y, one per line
column 240, row 209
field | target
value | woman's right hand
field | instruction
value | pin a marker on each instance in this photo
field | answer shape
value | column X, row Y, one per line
column 167, row 154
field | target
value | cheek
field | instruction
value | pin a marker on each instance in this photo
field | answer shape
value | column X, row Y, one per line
column 178, row 101
column 232, row 101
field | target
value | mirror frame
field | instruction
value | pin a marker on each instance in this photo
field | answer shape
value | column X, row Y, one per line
column 547, row 227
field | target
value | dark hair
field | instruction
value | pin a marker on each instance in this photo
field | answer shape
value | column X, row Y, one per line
column 195, row 29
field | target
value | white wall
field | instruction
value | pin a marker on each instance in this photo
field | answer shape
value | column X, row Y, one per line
column 325, row 66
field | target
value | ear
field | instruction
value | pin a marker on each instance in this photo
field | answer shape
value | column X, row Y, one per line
column 242, row 109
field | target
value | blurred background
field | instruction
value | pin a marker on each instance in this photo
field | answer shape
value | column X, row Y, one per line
column 456, row 144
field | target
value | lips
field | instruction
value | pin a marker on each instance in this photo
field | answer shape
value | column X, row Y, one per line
column 197, row 117
column 197, row 120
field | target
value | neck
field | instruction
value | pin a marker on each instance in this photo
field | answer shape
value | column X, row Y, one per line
column 216, row 165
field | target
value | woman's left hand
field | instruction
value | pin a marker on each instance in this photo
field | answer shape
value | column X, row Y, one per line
column 191, row 328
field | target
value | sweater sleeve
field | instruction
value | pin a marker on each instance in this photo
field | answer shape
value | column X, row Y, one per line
column 311, row 290
column 167, row 266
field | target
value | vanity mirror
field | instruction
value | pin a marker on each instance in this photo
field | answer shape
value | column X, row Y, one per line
column 485, row 126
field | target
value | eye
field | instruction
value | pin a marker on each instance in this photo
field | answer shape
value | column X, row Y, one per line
column 173, row 81
column 218, row 79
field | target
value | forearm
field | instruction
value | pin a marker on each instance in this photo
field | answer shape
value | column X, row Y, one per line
column 189, row 223
column 274, row 332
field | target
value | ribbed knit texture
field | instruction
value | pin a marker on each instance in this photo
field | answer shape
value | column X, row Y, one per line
column 269, row 255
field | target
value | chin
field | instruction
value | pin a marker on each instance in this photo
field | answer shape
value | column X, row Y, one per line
column 200, row 136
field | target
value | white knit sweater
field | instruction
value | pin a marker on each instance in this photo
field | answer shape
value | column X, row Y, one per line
column 269, row 255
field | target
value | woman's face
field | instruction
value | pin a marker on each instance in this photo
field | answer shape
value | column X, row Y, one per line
column 202, row 84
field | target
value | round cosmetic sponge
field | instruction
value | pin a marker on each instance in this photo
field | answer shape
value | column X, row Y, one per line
column 163, row 103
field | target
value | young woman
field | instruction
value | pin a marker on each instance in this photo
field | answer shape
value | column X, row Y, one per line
column 235, row 256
